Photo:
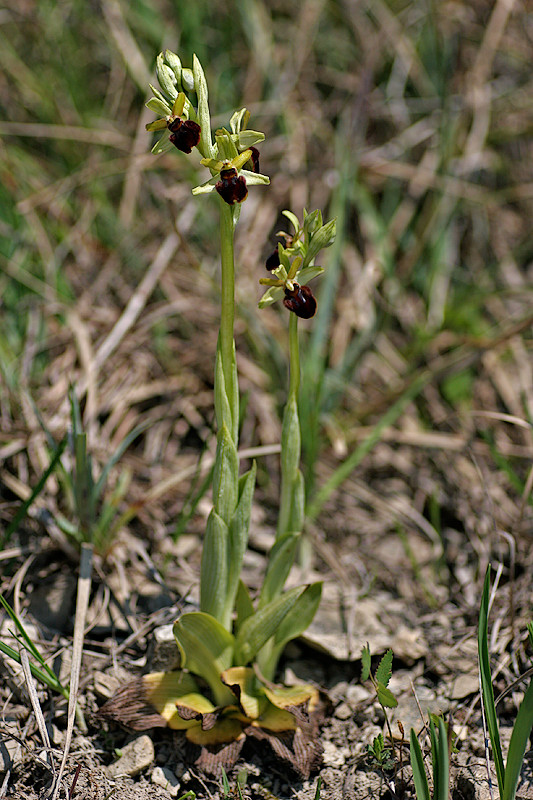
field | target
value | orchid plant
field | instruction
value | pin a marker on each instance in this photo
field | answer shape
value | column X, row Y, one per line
column 230, row 648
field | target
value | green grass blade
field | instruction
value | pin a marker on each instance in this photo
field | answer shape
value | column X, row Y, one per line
column 486, row 683
column 419, row 772
column 45, row 677
column 119, row 452
column 23, row 510
column 518, row 744
column 442, row 764
column 24, row 639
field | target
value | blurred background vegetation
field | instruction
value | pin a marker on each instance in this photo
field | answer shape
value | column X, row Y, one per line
column 411, row 122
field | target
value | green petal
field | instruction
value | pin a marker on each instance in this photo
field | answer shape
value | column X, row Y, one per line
column 272, row 294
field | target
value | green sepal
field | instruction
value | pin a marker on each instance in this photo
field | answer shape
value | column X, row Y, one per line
column 225, row 475
column 295, row 623
column 214, row 568
column 157, row 107
column 280, row 561
column 244, row 607
column 239, row 120
column 311, row 224
column 254, row 178
column 293, row 219
column 239, row 533
column 227, row 149
column 164, row 145
column 206, row 649
column 205, row 145
column 162, row 99
column 258, row 629
column 272, row 294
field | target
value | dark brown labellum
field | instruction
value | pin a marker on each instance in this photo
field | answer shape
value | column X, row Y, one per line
column 272, row 261
column 300, row 300
column 254, row 158
column 184, row 134
column 231, row 186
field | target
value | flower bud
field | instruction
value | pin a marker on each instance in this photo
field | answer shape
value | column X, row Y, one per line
column 165, row 76
column 187, row 79
column 174, row 63
column 300, row 299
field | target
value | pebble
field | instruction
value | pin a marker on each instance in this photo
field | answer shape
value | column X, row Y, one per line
column 135, row 756
column 164, row 777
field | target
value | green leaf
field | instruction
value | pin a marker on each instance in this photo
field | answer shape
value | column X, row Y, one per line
column 117, row 455
column 365, row 663
column 384, row 670
column 385, row 696
column 280, row 561
column 204, row 119
column 39, row 486
column 257, row 629
column 243, row 605
column 295, row 622
column 225, row 475
column 206, row 649
column 419, row 771
column 239, row 533
column 518, row 744
column 487, row 691
column 214, row 569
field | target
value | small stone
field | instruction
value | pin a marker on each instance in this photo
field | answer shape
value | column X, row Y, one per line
column 357, row 694
column 334, row 756
column 343, row 711
column 164, row 777
column 135, row 756
column 464, row 685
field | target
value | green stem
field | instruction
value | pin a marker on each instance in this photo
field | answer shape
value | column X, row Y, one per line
column 289, row 519
column 294, row 358
column 227, row 316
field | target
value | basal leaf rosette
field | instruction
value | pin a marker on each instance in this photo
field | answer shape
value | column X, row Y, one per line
column 218, row 704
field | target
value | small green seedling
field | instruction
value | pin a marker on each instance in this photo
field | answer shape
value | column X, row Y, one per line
column 380, row 755
column 439, row 759
column 386, row 699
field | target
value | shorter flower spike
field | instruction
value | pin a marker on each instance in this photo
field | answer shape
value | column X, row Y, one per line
column 300, row 299
column 184, row 134
column 231, row 186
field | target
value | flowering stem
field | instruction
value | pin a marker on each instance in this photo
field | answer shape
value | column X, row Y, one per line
column 291, row 503
column 294, row 357
column 227, row 317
